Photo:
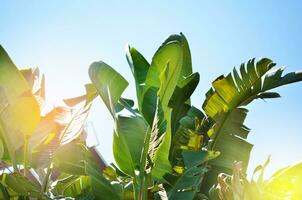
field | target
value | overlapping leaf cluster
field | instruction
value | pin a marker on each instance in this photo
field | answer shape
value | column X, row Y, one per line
column 36, row 149
column 164, row 147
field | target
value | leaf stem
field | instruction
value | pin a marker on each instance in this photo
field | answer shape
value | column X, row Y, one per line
column 25, row 152
column 47, row 176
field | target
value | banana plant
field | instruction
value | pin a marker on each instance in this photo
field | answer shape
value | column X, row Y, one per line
column 168, row 148
column 226, row 104
column 142, row 139
column 164, row 147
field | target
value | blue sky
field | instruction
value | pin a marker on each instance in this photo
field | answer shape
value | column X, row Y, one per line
column 62, row 38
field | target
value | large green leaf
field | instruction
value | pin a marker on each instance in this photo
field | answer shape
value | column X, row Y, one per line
column 109, row 83
column 139, row 67
column 20, row 112
column 160, row 79
column 223, row 103
column 128, row 137
column 22, row 109
column 158, row 76
column 128, row 141
column 170, row 65
column 165, row 69
column 187, row 63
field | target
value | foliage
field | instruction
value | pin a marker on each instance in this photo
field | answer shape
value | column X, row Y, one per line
column 283, row 184
column 166, row 148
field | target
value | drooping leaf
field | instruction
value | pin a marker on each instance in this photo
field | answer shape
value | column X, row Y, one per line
column 222, row 104
column 108, row 83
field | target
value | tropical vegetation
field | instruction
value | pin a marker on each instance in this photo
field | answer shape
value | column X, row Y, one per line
column 163, row 146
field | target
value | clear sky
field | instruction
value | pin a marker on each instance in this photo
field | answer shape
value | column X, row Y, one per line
column 62, row 38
